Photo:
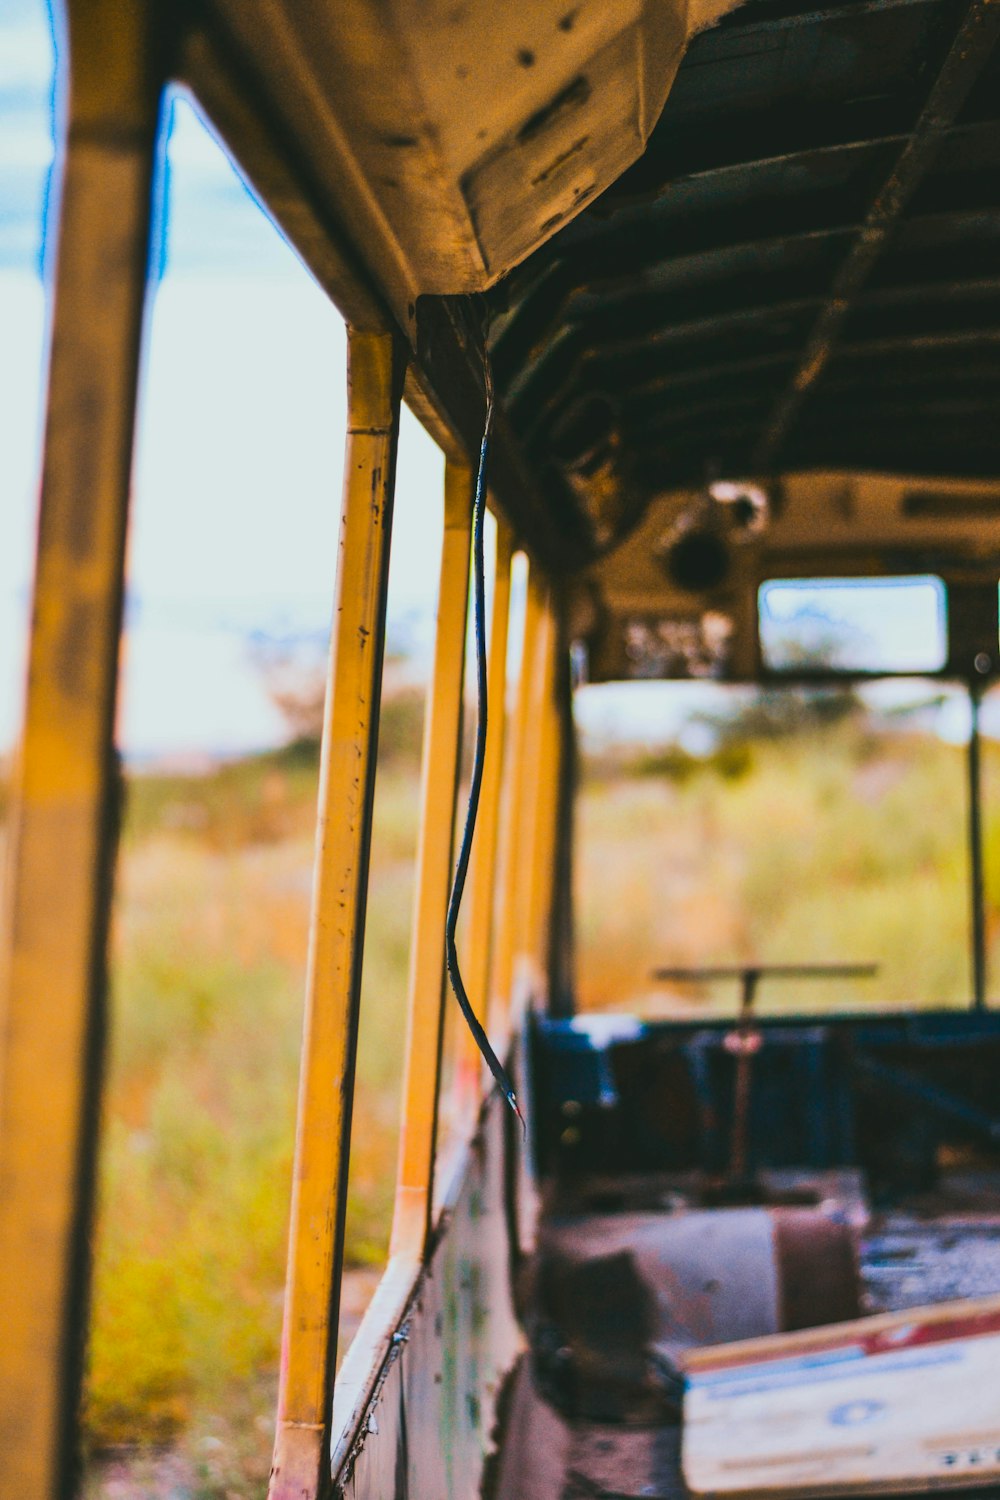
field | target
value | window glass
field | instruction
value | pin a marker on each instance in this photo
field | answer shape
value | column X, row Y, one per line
column 853, row 624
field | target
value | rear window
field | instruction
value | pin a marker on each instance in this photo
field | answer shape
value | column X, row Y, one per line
column 853, row 624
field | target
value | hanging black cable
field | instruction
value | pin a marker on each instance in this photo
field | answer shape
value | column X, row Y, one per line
column 479, row 759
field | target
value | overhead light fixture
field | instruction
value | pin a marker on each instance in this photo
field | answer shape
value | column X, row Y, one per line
column 696, row 551
column 747, row 504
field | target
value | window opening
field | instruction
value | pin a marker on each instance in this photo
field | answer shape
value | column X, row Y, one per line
column 853, row 624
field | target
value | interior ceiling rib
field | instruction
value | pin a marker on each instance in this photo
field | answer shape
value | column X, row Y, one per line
column 801, row 271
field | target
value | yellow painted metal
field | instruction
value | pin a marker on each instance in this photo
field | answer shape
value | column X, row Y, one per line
column 541, row 854
column 518, row 816
column 326, row 1086
column 526, row 976
column 562, row 982
column 440, row 770
column 482, row 883
column 66, row 787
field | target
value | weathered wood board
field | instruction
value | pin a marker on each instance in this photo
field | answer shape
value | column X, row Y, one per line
column 905, row 1401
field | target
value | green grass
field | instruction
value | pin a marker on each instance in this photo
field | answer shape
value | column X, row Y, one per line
column 208, row 969
column 832, row 847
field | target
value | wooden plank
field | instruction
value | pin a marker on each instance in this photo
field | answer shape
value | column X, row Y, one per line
column 901, row 1402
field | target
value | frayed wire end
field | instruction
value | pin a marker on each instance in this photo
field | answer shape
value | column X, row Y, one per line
column 511, row 1098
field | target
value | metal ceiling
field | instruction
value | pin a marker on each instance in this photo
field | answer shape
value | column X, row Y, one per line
column 802, row 270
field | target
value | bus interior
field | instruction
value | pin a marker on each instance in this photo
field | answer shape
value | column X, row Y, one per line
column 725, row 279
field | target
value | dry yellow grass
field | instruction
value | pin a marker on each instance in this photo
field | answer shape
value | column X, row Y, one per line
column 208, row 957
column 809, row 848
column 832, row 847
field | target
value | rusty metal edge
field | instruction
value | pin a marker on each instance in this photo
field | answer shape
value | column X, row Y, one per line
column 445, row 383
column 381, row 1337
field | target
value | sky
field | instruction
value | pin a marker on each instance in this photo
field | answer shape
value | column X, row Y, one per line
column 237, row 475
column 859, row 624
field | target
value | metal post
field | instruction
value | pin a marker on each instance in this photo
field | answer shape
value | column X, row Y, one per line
column 561, row 962
column 336, row 939
column 440, row 770
column 519, row 805
column 482, row 883
column 744, row 1043
column 976, row 850
column 65, row 806
column 546, row 757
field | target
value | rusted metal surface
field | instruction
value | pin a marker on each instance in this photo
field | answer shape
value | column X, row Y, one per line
column 66, row 788
column 838, row 1193
column 489, row 127
column 617, row 1298
column 545, row 1457
column 444, row 382
column 548, row 1454
column 664, row 299
column 818, row 1268
column 911, row 1262
column 427, row 1424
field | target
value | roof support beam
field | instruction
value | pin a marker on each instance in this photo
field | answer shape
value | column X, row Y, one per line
column 780, row 19
column 969, row 52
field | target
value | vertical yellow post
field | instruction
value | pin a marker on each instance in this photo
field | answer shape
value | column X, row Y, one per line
column 440, row 770
column 333, row 985
column 562, row 979
column 534, row 876
column 66, row 786
column 519, row 805
column 482, row 893
column 541, row 859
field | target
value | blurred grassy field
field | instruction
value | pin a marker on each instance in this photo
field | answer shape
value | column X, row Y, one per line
column 842, row 845
column 845, row 845
column 208, row 969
